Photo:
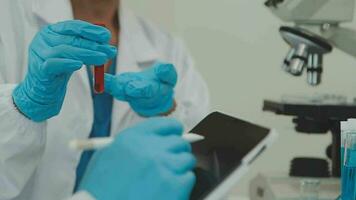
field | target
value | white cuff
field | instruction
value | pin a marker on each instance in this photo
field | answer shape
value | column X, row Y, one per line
column 6, row 100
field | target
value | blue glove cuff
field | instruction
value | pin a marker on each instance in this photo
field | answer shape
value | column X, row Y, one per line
column 33, row 110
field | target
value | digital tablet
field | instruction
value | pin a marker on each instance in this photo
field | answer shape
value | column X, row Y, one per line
column 223, row 157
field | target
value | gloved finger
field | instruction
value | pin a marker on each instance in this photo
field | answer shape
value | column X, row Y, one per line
column 82, row 29
column 186, row 181
column 114, row 88
column 88, row 57
column 54, row 39
column 175, row 144
column 115, row 85
column 180, row 163
column 58, row 66
column 142, row 89
column 161, row 126
column 166, row 73
column 183, row 146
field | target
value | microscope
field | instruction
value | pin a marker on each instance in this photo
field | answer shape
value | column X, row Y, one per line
column 316, row 29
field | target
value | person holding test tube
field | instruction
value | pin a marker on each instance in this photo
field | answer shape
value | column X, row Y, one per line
column 152, row 94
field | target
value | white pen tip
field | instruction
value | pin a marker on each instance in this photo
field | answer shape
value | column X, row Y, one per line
column 81, row 144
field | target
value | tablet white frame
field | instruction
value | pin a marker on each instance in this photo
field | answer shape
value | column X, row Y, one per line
column 223, row 188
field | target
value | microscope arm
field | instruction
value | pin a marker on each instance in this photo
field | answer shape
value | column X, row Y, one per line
column 343, row 39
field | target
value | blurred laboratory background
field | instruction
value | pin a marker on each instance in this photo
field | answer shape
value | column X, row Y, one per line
column 239, row 51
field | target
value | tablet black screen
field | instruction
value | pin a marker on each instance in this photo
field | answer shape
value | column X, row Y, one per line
column 227, row 141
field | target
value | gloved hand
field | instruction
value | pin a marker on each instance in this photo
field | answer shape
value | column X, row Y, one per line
column 148, row 161
column 54, row 54
column 149, row 93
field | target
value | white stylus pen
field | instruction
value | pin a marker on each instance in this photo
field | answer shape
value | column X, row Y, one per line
column 98, row 143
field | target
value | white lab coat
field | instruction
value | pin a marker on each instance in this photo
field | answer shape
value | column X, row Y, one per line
column 35, row 161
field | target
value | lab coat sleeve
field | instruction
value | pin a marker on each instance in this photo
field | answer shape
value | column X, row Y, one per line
column 191, row 92
column 21, row 146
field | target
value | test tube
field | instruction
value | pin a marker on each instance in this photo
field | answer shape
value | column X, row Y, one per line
column 99, row 86
column 99, row 71
column 348, row 176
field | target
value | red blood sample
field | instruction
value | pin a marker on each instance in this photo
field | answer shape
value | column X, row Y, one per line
column 99, row 86
column 99, row 71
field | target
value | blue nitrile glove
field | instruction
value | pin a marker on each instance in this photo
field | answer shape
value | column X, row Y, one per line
column 147, row 161
column 149, row 93
column 54, row 54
